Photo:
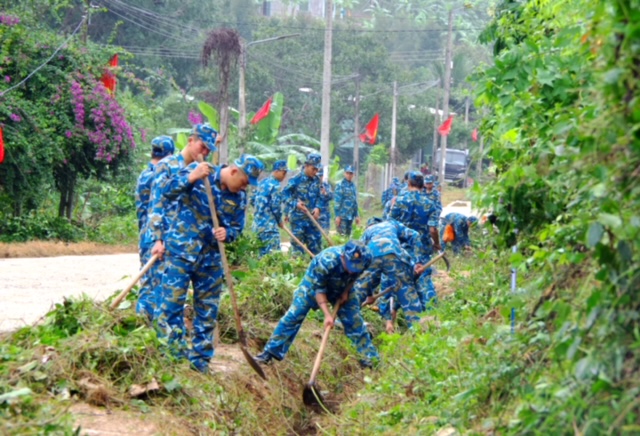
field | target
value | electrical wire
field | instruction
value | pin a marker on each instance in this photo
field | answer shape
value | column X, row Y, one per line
column 2, row 93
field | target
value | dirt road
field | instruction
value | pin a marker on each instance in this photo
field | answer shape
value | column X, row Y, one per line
column 29, row 287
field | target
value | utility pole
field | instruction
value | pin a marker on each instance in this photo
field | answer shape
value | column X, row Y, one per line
column 436, row 122
column 445, row 101
column 394, row 116
column 356, row 130
column 325, row 131
column 85, row 25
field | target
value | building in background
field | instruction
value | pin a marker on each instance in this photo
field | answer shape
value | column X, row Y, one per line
column 313, row 8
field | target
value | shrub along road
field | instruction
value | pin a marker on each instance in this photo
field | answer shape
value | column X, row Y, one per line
column 31, row 286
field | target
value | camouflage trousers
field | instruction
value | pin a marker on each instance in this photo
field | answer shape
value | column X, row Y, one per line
column 345, row 227
column 149, row 285
column 206, row 277
column 392, row 272
column 303, row 301
column 325, row 221
column 270, row 239
column 308, row 234
column 424, row 284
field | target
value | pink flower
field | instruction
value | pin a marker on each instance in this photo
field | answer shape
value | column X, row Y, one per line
column 7, row 79
column 68, row 134
column 15, row 117
column 195, row 118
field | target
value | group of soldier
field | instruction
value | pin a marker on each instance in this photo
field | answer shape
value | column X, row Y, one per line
column 176, row 226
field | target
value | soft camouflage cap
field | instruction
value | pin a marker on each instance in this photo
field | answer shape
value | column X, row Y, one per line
column 251, row 166
column 162, row 146
column 356, row 256
column 428, row 179
column 349, row 169
column 207, row 134
column 314, row 159
column 416, row 179
column 280, row 165
column 395, row 181
column 374, row 220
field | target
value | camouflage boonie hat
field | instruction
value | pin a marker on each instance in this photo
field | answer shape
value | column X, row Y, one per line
column 416, row 178
column 162, row 146
column 251, row 166
column 314, row 159
column 280, row 165
column 357, row 256
column 207, row 134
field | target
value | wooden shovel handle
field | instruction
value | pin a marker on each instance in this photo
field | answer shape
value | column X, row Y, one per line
column 424, row 267
column 323, row 344
column 115, row 303
column 319, row 227
column 297, row 241
column 378, row 295
column 225, row 262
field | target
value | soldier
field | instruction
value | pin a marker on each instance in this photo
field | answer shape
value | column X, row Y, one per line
column 461, row 225
column 192, row 253
column 161, row 147
column 328, row 279
column 392, row 265
column 391, row 191
column 413, row 209
column 434, row 196
column 303, row 192
column 326, row 195
column 268, row 209
column 346, row 204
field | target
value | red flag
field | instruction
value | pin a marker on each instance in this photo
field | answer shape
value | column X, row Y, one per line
column 263, row 112
column 371, row 131
column 474, row 134
column 1, row 146
column 445, row 128
column 108, row 78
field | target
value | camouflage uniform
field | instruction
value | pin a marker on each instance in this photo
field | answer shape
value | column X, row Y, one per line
column 391, row 191
column 326, row 275
column 268, row 213
column 393, row 265
column 346, row 204
column 461, row 229
column 325, row 199
column 414, row 210
column 305, row 189
column 192, row 254
column 161, row 147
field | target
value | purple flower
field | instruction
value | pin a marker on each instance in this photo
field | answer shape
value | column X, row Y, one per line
column 195, row 118
column 9, row 20
column 15, row 117
column 7, row 79
column 68, row 134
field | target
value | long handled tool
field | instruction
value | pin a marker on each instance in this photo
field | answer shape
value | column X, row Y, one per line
column 442, row 256
column 311, row 394
column 297, row 241
column 116, row 302
column 317, row 224
column 227, row 275
column 378, row 295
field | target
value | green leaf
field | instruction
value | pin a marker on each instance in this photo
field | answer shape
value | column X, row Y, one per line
column 609, row 220
column 211, row 113
column 625, row 250
column 239, row 274
column 124, row 305
column 596, row 230
column 292, row 162
column 172, row 385
column 10, row 397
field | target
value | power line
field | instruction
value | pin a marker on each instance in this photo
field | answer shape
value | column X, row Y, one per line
column 48, row 60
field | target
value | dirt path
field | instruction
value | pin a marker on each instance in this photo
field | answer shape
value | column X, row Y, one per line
column 29, row 287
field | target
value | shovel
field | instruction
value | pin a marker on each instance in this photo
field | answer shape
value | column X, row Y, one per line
column 297, row 241
column 227, row 275
column 378, row 295
column 442, row 256
column 311, row 394
column 116, row 302
column 317, row 224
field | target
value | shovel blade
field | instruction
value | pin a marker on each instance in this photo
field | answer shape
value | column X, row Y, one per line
column 252, row 362
column 311, row 396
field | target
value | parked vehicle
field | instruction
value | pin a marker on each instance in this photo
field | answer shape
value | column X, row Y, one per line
column 455, row 166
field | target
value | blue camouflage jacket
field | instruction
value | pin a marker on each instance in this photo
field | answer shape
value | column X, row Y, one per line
column 301, row 188
column 325, row 198
column 163, row 210
column 415, row 210
column 143, row 202
column 389, row 193
column 434, row 197
column 267, row 202
column 190, row 234
column 460, row 226
column 390, row 237
column 346, row 200
column 327, row 275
